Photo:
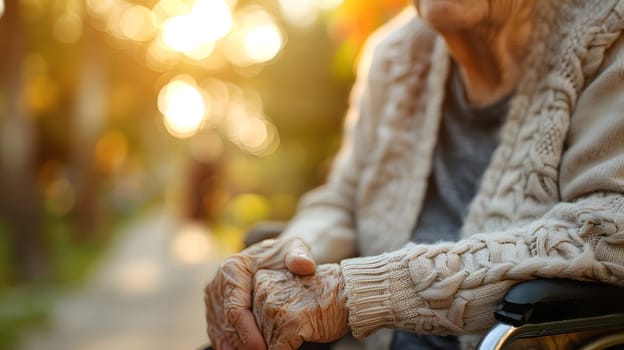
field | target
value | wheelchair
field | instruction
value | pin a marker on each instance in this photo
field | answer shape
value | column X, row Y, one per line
column 541, row 314
column 558, row 314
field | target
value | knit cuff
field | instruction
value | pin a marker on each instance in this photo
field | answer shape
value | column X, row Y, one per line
column 370, row 287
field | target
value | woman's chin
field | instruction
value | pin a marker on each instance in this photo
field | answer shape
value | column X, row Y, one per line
column 451, row 14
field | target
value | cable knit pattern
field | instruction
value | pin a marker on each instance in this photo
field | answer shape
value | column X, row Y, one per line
column 453, row 287
column 527, row 220
column 533, row 138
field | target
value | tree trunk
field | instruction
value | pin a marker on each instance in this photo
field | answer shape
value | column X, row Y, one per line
column 88, row 123
column 21, row 202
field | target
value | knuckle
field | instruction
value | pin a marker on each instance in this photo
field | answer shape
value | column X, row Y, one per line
column 235, row 264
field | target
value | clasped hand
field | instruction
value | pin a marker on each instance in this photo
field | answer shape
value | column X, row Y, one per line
column 290, row 302
column 291, row 309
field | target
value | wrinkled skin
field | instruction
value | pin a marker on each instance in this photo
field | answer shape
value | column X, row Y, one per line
column 227, row 296
column 292, row 309
column 462, row 14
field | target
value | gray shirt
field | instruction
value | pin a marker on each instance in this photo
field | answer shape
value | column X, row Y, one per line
column 468, row 137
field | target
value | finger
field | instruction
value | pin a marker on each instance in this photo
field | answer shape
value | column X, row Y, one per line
column 285, row 343
column 246, row 329
column 239, row 322
column 214, row 317
column 223, row 345
column 286, row 337
column 299, row 259
column 236, row 284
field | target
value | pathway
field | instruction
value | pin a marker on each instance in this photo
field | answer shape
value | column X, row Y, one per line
column 146, row 295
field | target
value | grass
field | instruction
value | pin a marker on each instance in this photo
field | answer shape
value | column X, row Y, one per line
column 21, row 309
column 24, row 305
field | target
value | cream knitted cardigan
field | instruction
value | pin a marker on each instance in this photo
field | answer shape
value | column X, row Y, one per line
column 550, row 204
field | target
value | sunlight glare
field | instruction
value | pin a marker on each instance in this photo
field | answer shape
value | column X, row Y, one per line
column 1, row 8
column 208, row 21
column 183, row 107
column 213, row 17
column 177, row 33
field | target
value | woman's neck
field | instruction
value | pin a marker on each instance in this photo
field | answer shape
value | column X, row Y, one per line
column 490, row 56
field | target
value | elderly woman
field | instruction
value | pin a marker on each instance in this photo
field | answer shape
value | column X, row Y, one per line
column 485, row 146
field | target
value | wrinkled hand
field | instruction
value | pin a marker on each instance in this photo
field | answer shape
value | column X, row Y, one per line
column 291, row 309
column 227, row 296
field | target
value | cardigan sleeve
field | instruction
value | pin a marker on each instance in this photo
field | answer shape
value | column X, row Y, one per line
column 454, row 287
column 325, row 217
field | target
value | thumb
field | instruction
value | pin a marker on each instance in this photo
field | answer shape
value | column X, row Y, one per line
column 299, row 258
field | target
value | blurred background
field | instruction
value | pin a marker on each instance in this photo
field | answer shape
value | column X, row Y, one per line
column 139, row 140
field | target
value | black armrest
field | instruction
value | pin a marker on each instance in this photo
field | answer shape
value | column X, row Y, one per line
column 547, row 300
column 264, row 230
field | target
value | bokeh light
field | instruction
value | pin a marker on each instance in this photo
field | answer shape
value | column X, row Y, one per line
column 258, row 136
column 158, row 57
column 111, row 150
column 183, row 107
column 60, row 196
column 41, row 93
column 177, row 33
column 253, row 133
column 257, row 39
column 220, row 93
column 330, row 4
column 208, row 21
column 99, row 8
column 206, row 147
column 112, row 22
column 68, row 28
column 201, row 52
column 137, row 23
column 102, row 189
column 193, row 244
column 213, row 17
column 249, row 208
column 300, row 13
column 139, row 277
column 166, row 9
column 263, row 42
column 304, row 13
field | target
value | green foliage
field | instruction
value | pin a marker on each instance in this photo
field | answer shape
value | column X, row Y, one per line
column 26, row 306
column 6, row 256
column 71, row 260
column 21, row 309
